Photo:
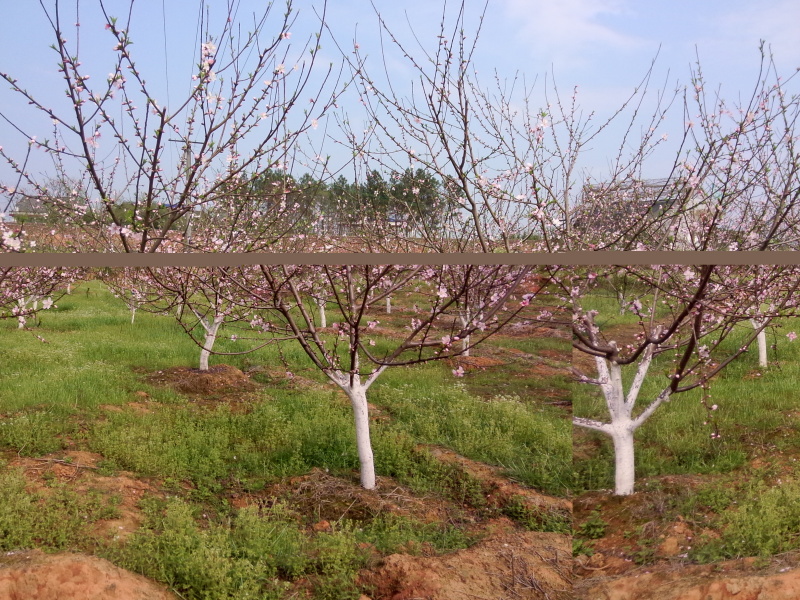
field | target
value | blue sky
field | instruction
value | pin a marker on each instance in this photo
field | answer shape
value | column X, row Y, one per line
column 602, row 46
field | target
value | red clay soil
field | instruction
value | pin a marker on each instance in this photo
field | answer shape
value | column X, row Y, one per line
column 218, row 379
column 34, row 575
column 516, row 565
column 732, row 580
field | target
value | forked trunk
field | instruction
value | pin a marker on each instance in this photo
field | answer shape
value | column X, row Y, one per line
column 208, row 343
column 622, row 424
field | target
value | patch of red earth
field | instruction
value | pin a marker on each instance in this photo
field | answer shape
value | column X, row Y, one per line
column 730, row 580
column 77, row 469
column 218, row 379
column 472, row 363
column 519, row 565
column 636, row 525
column 29, row 575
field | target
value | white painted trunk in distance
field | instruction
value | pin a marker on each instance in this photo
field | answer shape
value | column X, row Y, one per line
column 465, row 318
column 761, row 341
column 133, row 314
column 208, row 343
column 358, row 400
column 323, row 319
column 388, row 305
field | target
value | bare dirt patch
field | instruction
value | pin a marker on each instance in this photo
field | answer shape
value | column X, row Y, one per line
column 730, row 580
column 28, row 575
column 515, row 565
column 219, row 379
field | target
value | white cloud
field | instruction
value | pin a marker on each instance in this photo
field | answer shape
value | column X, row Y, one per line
column 566, row 31
column 776, row 22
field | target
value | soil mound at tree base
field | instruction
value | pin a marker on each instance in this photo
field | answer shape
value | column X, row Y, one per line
column 525, row 566
column 218, row 379
column 695, row 583
column 29, row 575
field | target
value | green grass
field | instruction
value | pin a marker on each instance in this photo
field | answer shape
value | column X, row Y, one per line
column 72, row 390
column 532, row 444
column 56, row 521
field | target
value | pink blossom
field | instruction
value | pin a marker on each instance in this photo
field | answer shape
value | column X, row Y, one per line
column 792, row 336
column 459, row 372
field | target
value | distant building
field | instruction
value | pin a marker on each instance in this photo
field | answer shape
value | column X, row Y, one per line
column 648, row 210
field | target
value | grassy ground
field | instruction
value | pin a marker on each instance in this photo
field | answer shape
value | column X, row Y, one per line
column 251, row 491
column 700, row 498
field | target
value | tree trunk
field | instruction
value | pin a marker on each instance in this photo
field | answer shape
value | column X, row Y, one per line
column 624, row 470
column 208, row 343
column 323, row 319
column 133, row 314
column 358, row 399
column 465, row 318
column 388, row 305
column 762, row 342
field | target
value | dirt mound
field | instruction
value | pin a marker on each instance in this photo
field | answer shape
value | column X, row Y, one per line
column 702, row 582
column 470, row 363
column 516, row 565
column 328, row 499
column 27, row 575
column 219, row 379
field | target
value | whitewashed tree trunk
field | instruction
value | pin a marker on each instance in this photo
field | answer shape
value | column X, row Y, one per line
column 323, row 319
column 465, row 318
column 211, row 336
column 388, row 305
column 69, row 289
column 624, row 465
column 620, row 409
column 358, row 400
column 133, row 314
column 761, row 341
